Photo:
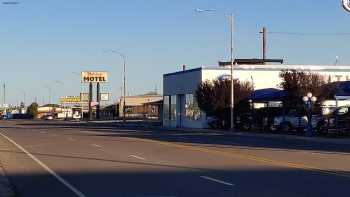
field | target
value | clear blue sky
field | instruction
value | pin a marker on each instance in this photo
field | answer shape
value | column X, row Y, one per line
column 45, row 41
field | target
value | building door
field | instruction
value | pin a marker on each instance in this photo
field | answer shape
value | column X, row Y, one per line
column 181, row 110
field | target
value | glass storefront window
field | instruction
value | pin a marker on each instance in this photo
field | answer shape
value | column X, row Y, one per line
column 166, row 107
column 173, row 107
column 191, row 107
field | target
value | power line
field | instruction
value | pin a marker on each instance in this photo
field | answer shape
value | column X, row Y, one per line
column 309, row 34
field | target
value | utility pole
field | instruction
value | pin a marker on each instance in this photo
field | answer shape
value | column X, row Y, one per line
column 24, row 98
column 4, row 101
column 124, row 84
column 264, row 43
column 50, row 109
column 49, row 95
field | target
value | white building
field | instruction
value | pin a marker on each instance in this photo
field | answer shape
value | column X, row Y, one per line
column 181, row 110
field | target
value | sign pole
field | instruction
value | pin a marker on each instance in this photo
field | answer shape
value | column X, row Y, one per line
column 82, row 110
column 90, row 101
column 98, row 101
column 94, row 77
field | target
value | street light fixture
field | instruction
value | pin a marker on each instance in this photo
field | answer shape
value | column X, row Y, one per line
column 309, row 100
column 49, row 87
column 231, row 19
column 346, row 5
column 204, row 10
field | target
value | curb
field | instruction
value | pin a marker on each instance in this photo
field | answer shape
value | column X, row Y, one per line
column 6, row 189
column 341, row 141
column 345, row 141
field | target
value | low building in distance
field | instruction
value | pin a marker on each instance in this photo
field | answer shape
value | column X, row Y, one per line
column 141, row 106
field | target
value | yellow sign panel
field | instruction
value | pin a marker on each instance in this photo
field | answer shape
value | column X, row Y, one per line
column 94, row 77
column 70, row 99
column 84, row 97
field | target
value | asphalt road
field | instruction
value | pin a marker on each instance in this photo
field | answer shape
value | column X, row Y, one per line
column 59, row 159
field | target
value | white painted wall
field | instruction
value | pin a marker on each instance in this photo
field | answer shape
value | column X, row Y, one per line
column 261, row 79
column 267, row 76
column 182, row 82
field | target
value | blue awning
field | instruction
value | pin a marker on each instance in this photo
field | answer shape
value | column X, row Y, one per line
column 269, row 94
column 342, row 88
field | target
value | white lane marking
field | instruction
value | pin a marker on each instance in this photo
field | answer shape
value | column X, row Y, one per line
column 95, row 145
column 54, row 174
column 160, row 162
column 216, row 180
column 137, row 157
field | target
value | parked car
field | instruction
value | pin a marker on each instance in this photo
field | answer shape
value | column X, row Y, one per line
column 7, row 116
column 293, row 121
column 336, row 125
column 215, row 123
column 48, row 117
column 245, row 121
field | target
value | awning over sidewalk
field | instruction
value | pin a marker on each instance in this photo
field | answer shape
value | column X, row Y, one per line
column 269, row 94
column 342, row 89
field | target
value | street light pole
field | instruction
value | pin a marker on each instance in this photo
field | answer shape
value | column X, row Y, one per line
column 309, row 100
column 124, row 85
column 232, row 80
column 50, row 92
column 232, row 102
column 124, row 80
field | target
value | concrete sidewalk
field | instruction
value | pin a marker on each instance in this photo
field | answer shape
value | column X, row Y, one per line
column 340, row 140
column 141, row 125
column 5, row 186
column 319, row 139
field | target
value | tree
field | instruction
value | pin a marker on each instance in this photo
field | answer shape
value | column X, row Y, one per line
column 298, row 83
column 32, row 110
column 214, row 97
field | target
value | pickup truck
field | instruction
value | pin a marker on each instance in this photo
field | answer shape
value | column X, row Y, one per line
column 292, row 122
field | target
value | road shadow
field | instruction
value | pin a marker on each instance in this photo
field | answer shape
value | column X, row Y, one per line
column 166, row 182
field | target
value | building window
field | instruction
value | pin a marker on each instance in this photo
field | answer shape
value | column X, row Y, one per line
column 166, row 107
column 173, row 107
column 128, row 109
column 192, row 110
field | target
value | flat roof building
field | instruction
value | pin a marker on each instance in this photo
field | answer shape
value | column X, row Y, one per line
column 180, row 106
column 135, row 105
